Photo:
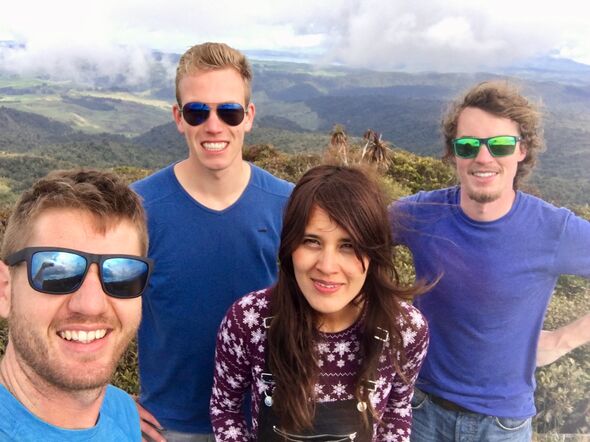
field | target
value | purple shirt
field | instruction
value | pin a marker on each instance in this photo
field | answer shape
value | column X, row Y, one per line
column 240, row 359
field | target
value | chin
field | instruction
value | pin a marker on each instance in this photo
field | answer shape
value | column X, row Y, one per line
column 482, row 197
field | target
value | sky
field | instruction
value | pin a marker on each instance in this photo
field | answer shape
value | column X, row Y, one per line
column 117, row 36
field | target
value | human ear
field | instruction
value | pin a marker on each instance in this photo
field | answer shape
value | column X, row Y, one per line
column 5, row 292
column 177, row 116
column 250, row 117
column 522, row 151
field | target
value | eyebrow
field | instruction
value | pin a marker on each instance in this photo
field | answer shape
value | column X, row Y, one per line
column 315, row 236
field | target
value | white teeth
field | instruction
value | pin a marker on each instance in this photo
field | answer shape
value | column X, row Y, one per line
column 82, row 336
column 214, row 146
column 324, row 284
column 484, row 174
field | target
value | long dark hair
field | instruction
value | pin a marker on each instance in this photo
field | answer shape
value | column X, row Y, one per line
column 354, row 201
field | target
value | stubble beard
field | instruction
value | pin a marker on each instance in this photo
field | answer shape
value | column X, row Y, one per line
column 482, row 197
column 32, row 350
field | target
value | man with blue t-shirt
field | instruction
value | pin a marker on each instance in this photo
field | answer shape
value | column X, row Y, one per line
column 498, row 253
column 214, row 223
column 71, row 278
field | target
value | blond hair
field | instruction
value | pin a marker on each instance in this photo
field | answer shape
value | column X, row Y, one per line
column 214, row 56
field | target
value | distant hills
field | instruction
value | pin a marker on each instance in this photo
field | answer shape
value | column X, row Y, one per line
column 100, row 122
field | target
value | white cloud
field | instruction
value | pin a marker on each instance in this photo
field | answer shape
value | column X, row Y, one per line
column 444, row 35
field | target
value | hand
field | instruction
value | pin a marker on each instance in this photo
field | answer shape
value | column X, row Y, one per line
column 548, row 350
column 150, row 426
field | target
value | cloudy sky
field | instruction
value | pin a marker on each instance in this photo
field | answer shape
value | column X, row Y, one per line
column 412, row 35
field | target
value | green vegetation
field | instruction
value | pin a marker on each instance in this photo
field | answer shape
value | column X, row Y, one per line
column 47, row 125
column 562, row 388
column 306, row 101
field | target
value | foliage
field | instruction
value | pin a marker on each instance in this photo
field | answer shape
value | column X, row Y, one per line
column 419, row 173
column 562, row 396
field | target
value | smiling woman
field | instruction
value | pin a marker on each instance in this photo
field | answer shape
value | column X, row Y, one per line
column 332, row 351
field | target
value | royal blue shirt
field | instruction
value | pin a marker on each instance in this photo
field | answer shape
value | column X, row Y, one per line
column 204, row 260
column 486, row 312
column 118, row 421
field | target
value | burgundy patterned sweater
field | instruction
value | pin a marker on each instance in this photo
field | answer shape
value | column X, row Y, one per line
column 240, row 357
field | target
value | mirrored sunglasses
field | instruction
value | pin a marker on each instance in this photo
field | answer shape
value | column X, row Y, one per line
column 196, row 113
column 498, row 146
column 59, row 271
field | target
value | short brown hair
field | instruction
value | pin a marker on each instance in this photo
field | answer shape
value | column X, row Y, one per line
column 102, row 194
column 502, row 99
column 214, row 56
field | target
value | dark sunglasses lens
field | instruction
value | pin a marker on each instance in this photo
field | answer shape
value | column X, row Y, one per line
column 466, row 147
column 124, row 277
column 231, row 113
column 502, row 146
column 195, row 113
column 56, row 272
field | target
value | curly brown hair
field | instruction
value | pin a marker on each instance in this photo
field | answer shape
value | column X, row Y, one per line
column 502, row 99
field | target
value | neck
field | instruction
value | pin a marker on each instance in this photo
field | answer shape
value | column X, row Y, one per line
column 487, row 211
column 216, row 190
column 64, row 409
column 337, row 322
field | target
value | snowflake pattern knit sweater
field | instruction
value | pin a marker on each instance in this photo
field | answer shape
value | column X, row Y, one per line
column 240, row 358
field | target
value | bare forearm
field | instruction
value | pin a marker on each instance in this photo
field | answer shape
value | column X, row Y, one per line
column 556, row 343
column 575, row 333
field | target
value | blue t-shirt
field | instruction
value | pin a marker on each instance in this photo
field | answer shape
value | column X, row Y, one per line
column 118, row 421
column 486, row 312
column 204, row 260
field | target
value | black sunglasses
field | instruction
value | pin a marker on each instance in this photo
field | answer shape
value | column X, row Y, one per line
column 58, row 271
column 498, row 146
column 196, row 113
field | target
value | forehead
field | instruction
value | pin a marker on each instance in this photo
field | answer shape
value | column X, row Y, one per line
column 213, row 86
column 320, row 222
column 81, row 230
column 479, row 123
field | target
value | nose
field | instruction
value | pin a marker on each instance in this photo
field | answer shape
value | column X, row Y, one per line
column 484, row 155
column 327, row 262
column 89, row 299
column 213, row 124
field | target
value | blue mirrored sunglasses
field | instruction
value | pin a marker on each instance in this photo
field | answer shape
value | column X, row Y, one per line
column 196, row 113
column 59, row 271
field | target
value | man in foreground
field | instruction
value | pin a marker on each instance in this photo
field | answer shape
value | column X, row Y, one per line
column 498, row 252
column 71, row 277
column 214, row 223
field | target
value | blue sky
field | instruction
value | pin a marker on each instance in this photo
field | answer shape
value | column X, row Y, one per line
column 410, row 35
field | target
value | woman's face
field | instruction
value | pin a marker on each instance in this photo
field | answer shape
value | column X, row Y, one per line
column 328, row 271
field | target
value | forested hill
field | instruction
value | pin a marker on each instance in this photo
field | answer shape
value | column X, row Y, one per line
column 297, row 106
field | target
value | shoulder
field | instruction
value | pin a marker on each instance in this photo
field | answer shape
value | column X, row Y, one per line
column 249, row 311
column 267, row 182
column 442, row 196
column 155, row 185
column 120, row 412
column 530, row 202
column 414, row 326
column 117, row 399
column 546, row 214
column 8, row 412
column 242, row 332
column 421, row 211
column 424, row 203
